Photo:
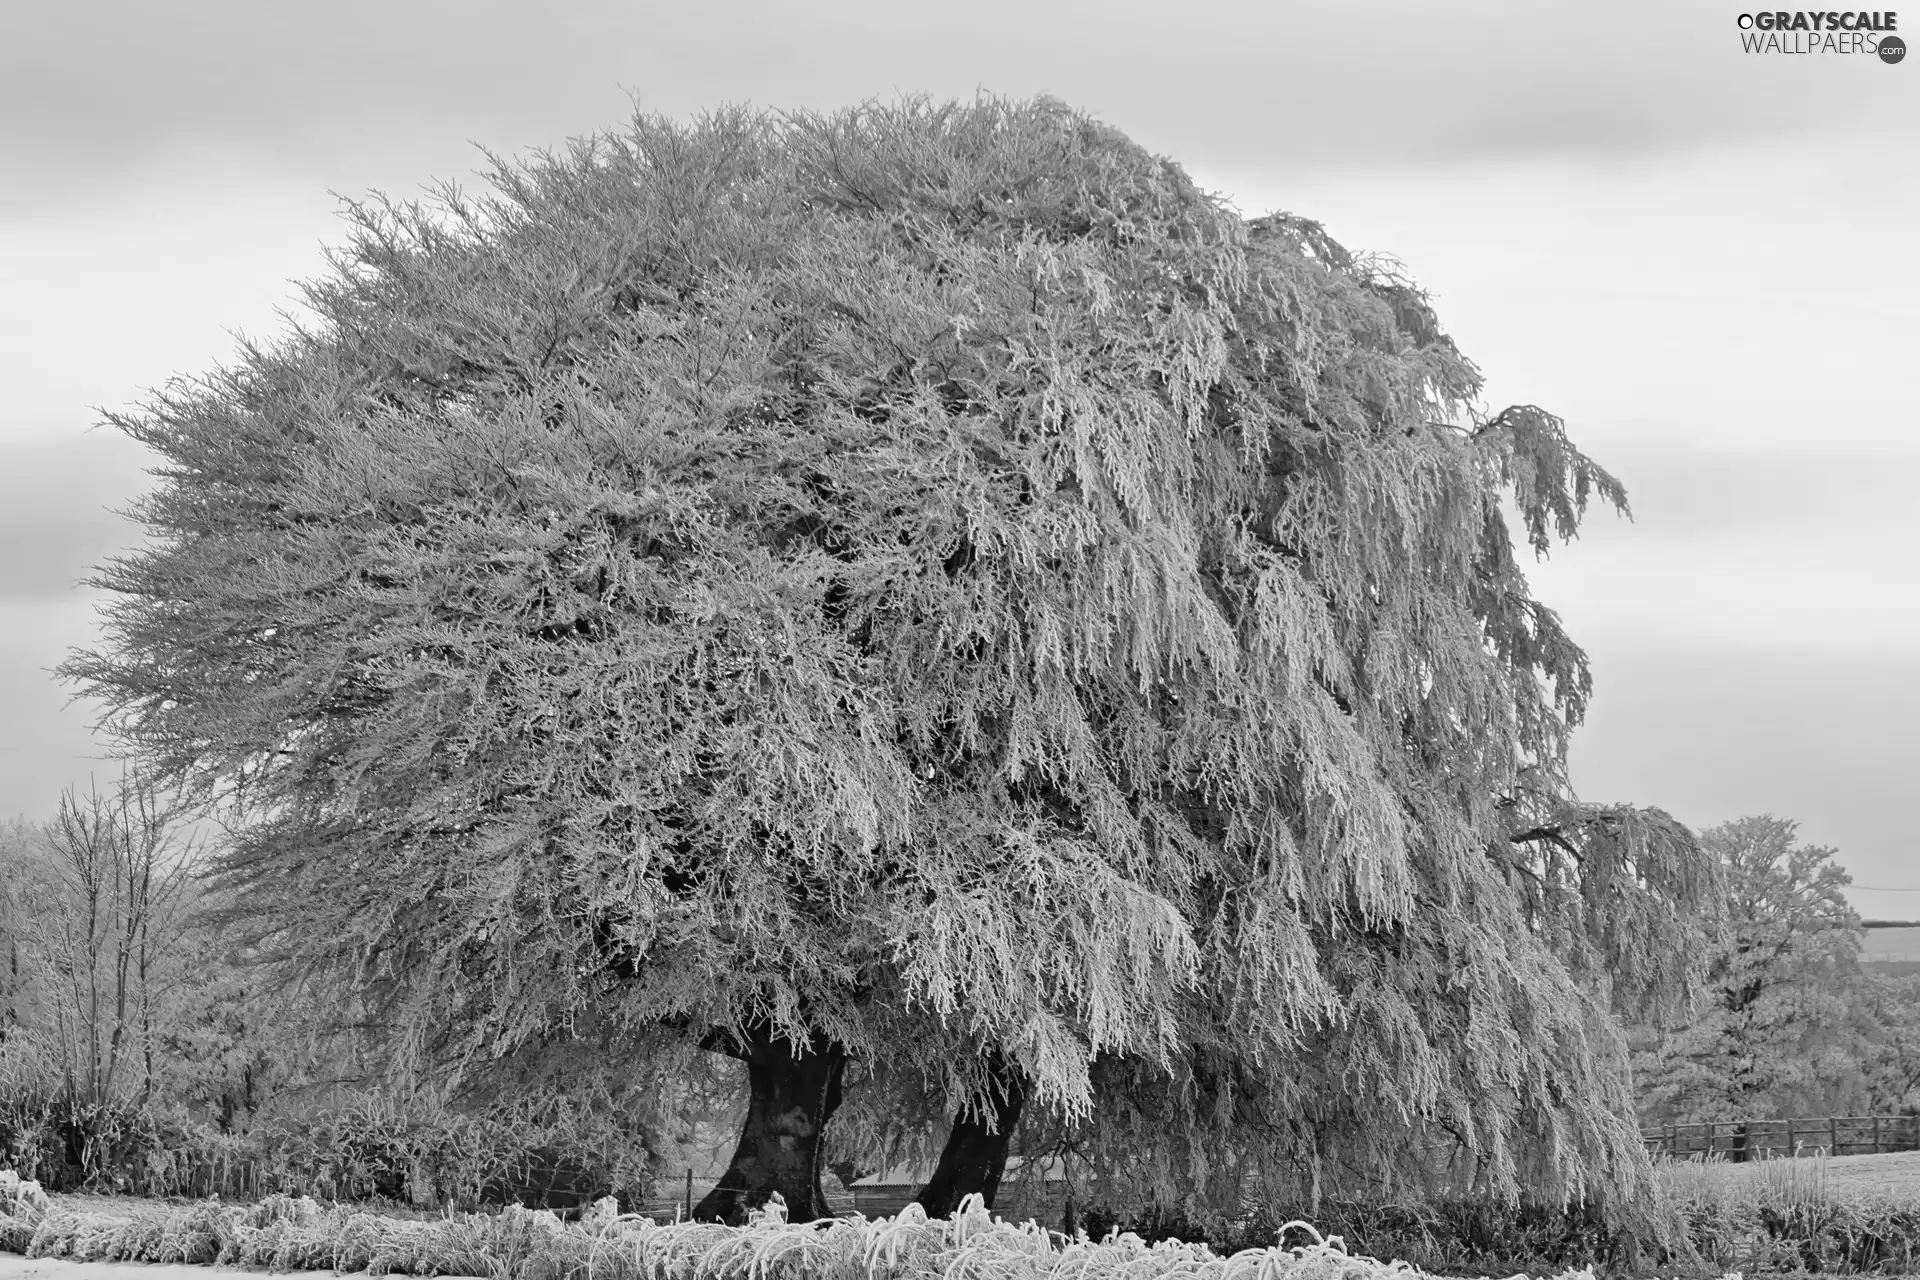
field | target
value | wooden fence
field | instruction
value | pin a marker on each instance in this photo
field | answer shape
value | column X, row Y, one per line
column 1751, row 1139
column 874, row 1202
column 883, row 1200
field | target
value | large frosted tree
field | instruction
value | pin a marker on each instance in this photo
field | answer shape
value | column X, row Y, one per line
column 925, row 587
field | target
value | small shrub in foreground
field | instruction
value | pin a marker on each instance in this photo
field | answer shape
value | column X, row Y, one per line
column 1779, row 1217
column 1456, row 1237
column 1786, row 1216
column 362, row 1147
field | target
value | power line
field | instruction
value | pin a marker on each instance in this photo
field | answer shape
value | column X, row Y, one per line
column 1887, row 888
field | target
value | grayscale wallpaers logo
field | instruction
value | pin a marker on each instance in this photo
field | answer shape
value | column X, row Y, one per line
column 1807, row 33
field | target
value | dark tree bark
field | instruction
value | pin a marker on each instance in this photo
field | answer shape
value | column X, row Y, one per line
column 790, row 1100
column 976, row 1152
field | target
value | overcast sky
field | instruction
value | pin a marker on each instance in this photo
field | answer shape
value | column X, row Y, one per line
column 1705, row 260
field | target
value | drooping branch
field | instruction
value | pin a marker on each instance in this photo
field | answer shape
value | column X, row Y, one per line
column 1555, row 835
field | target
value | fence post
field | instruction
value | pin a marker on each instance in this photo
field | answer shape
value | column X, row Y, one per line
column 1790, row 1146
column 1713, row 1132
column 1833, row 1136
column 689, row 1193
column 1876, row 1135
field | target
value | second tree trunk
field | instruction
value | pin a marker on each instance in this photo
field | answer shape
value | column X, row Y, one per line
column 974, row 1158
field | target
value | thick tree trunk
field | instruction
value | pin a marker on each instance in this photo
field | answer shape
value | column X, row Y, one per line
column 976, row 1152
column 789, row 1103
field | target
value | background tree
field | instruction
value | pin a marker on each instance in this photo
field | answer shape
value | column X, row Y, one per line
column 1893, row 1062
column 22, row 863
column 925, row 587
column 232, row 1042
column 105, row 929
column 1787, row 1025
column 92, row 911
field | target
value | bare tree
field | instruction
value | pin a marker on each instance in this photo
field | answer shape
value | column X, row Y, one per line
column 104, row 919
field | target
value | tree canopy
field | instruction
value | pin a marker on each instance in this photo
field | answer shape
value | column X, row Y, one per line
column 926, row 582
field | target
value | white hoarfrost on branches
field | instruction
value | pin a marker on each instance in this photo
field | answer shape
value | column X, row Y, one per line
column 931, row 579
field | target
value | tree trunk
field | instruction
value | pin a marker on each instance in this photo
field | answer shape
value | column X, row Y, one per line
column 976, row 1152
column 790, row 1100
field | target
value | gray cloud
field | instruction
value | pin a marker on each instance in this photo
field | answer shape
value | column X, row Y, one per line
column 46, row 744
column 58, row 496
column 48, row 561
column 1713, row 734
column 91, row 86
column 1681, row 491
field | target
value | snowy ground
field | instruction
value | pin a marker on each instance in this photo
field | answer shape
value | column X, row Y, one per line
column 1895, row 1173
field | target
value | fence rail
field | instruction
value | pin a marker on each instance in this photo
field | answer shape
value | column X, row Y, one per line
column 876, row 1200
column 1747, row 1139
